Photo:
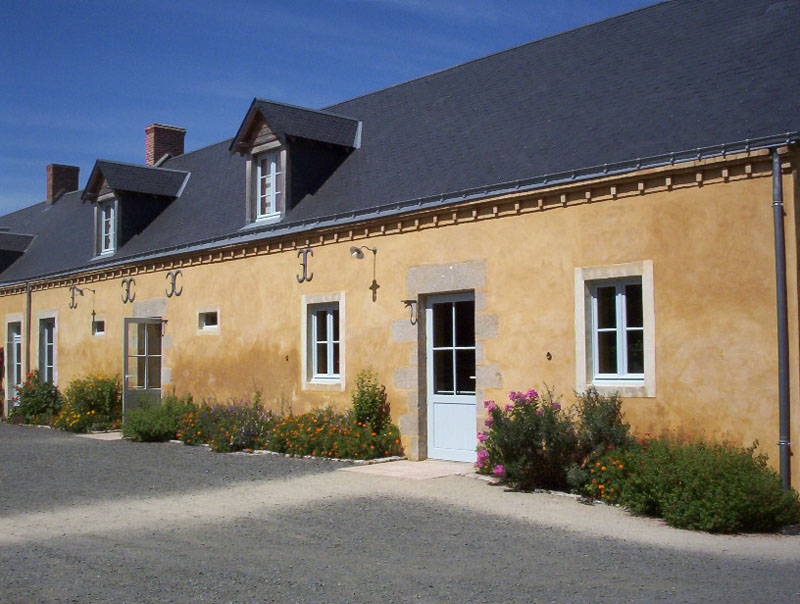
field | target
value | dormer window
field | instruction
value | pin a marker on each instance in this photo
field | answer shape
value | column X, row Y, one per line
column 107, row 227
column 269, row 185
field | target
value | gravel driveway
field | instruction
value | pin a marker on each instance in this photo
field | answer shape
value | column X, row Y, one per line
column 91, row 521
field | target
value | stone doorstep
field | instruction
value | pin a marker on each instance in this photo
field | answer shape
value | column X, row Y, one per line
column 415, row 470
column 106, row 435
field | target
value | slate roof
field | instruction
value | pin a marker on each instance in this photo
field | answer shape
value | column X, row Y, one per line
column 315, row 125
column 672, row 77
column 149, row 180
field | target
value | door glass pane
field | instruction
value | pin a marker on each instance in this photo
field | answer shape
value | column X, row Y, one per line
column 443, row 371
column 635, row 351
column 633, row 305
column 606, row 307
column 443, row 324
column 136, row 372
column 154, row 338
column 137, row 341
column 465, row 371
column 322, row 358
column 154, row 372
column 607, row 351
column 465, row 323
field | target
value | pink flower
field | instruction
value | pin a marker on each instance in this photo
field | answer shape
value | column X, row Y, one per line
column 487, row 403
column 482, row 456
column 488, row 421
column 491, row 406
column 482, row 436
column 499, row 470
column 509, row 406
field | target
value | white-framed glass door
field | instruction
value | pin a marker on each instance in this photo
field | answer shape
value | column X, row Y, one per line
column 141, row 361
column 450, row 342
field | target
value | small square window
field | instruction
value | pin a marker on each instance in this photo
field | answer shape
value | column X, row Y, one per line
column 98, row 327
column 208, row 320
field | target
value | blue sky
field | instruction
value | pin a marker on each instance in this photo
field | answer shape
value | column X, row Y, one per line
column 80, row 79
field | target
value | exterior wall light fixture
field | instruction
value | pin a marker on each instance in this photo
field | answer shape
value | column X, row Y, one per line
column 358, row 253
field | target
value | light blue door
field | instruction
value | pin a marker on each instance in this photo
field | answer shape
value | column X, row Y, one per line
column 450, row 326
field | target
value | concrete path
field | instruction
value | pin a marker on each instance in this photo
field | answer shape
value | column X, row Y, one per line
column 83, row 520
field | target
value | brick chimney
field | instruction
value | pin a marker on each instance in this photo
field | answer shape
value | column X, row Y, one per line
column 60, row 180
column 160, row 140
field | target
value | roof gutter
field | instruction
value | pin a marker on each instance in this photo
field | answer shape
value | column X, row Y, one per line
column 250, row 233
column 783, row 321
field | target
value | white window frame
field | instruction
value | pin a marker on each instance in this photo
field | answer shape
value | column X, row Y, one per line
column 587, row 280
column 331, row 321
column 48, row 357
column 620, row 330
column 96, row 332
column 107, row 227
column 311, row 378
column 13, row 359
column 277, row 185
column 202, row 327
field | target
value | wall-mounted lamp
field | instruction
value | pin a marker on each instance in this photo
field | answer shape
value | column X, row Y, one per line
column 357, row 253
column 413, row 310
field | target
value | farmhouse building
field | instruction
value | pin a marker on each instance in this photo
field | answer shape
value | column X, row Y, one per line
column 601, row 207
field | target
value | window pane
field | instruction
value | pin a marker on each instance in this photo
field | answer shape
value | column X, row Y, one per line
column 606, row 307
column 465, row 371
column 138, row 341
column 322, row 359
column 443, row 324
column 263, row 187
column 635, row 351
column 322, row 325
column 136, row 371
column 465, row 323
column 443, row 371
column 633, row 305
column 335, row 314
column 335, row 359
column 607, row 352
column 154, row 338
column 154, row 372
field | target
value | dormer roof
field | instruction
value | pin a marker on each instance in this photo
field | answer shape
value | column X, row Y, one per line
column 15, row 242
column 148, row 180
column 282, row 120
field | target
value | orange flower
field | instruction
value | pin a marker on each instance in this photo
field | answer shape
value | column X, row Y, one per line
column 600, row 486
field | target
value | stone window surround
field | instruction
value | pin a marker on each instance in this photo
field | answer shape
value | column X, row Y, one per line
column 583, row 350
column 305, row 350
column 209, row 330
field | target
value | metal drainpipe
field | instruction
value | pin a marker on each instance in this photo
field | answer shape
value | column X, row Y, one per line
column 27, row 327
column 783, row 321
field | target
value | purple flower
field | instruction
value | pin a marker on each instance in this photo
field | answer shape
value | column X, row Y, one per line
column 482, row 436
column 488, row 421
column 487, row 403
column 509, row 406
column 538, row 412
column 556, row 405
column 482, row 456
column 491, row 406
column 499, row 470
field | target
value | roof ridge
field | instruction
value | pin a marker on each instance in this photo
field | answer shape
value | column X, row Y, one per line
column 500, row 52
column 132, row 165
column 310, row 110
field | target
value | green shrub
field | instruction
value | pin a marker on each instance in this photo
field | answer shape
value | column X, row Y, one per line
column 600, row 426
column 157, row 421
column 39, row 401
column 369, row 401
column 98, row 393
column 530, row 443
column 696, row 485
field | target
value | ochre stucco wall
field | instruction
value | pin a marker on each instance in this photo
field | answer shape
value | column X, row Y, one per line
column 714, row 293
